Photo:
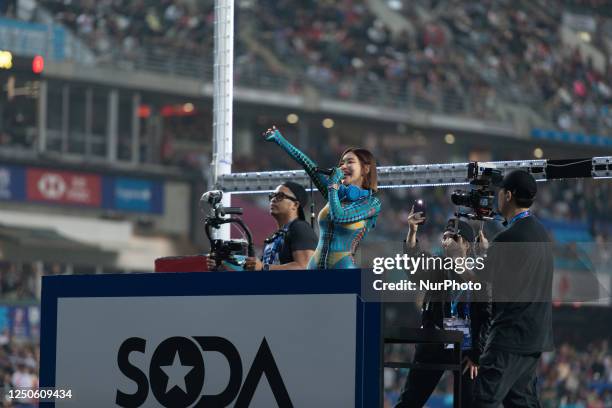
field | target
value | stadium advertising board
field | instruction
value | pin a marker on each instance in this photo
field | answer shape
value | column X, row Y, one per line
column 49, row 186
column 148, row 346
column 12, row 183
column 21, row 323
column 64, row 187
column 129, row 194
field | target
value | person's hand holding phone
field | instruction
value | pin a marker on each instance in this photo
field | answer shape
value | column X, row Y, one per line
column 415, row 218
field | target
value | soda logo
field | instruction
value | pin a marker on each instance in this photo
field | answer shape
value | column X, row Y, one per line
column 176, row 374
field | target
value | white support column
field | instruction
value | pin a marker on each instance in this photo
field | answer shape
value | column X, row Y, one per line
column 223, row 83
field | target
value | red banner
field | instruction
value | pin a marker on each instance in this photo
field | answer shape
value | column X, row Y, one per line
column 64, row 187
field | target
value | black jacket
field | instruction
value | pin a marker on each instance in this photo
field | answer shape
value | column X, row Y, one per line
column 519, row 267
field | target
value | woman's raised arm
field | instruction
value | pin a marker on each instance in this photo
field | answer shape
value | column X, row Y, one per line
column 319, row 180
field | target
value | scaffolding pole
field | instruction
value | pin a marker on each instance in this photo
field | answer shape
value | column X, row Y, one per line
column 223, row 83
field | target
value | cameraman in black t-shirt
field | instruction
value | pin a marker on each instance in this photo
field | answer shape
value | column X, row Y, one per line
column 292, row 245
column 519, row 267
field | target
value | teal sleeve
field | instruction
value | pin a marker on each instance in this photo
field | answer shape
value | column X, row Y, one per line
column 319, row 180
column 355, row 211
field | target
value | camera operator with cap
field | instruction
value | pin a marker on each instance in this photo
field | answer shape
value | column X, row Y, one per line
column 293, row 244
column 519, row 267
column 451, row 310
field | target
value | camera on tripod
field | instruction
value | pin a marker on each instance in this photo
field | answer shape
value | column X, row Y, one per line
column 231, row 252
column 481, row 198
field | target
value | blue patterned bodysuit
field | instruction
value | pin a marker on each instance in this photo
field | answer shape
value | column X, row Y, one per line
column 342, row 224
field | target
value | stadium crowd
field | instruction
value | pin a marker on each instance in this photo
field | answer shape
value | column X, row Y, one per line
column 347, row 52
column 453, row 57
column 519, row 50
column 454, row 54
column 19, row 367
column 125, row 29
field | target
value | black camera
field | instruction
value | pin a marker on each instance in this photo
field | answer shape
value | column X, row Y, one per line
column 481, row 198
column 232, row 252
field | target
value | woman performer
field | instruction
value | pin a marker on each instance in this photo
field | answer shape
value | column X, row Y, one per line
column 352, row 205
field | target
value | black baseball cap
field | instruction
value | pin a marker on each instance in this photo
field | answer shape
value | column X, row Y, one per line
column 300, row 193
column 520, row 183
column 463, row 229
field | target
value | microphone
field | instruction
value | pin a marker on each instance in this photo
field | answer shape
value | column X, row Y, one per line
column 322, row 170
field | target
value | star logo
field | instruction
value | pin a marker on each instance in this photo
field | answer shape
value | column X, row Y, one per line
column 176, row 373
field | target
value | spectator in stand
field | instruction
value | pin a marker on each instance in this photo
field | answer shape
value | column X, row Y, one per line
column 24, row 378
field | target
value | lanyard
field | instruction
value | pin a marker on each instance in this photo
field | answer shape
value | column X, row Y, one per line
column 273, row 245
column 519, row 216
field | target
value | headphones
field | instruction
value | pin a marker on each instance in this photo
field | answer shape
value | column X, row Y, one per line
column 352, row 192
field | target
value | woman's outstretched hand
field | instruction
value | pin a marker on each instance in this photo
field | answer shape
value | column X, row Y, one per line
column 270, row 134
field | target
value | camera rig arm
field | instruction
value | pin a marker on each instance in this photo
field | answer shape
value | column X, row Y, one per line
column 216, row 222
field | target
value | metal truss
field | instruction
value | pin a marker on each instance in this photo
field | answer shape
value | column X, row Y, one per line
column 427, row 175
